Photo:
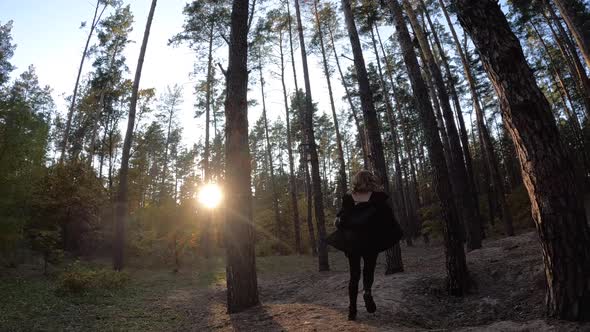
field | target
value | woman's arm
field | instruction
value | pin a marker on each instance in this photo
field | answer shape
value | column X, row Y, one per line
column 347, row 204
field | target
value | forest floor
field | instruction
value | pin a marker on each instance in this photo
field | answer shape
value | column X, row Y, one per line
column 508, row 296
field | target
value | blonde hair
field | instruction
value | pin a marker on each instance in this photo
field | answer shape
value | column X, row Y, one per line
column 365, row 181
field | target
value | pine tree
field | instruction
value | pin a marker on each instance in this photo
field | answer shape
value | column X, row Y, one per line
column 547, row 171
column 457, row 281
column 122, row 202
column 489, row 155
column 310, row 145
column 242, row 285
column 459, row 178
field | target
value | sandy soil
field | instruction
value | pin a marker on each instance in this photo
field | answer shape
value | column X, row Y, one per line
column 508, row 296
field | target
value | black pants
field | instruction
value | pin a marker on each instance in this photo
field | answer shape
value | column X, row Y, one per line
column 354, row 261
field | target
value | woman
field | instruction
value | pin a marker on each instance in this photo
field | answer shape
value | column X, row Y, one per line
column 366, row 227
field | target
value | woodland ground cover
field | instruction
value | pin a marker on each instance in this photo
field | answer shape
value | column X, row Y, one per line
column 294, row 296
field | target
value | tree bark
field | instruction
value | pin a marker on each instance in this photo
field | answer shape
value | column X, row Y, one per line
column 292, row 180
column 374, row 144
column 122, row 203
column 342, row 185
column 309, row 205
column 391, row 118
column 291, row 47
column 242, row 285
column 457, row 281
column 437, row 109
column 363, row 140
column 206, row 237
column 279, row 232
column 459, row 177
column 406, row 141
column 459, row 114
column 547, row 171
column 489, row 155
column 323, row 262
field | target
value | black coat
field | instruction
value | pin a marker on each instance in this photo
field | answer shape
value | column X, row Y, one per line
column 367, row 227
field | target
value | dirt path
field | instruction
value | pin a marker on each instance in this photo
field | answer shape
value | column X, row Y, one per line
column 508, row 296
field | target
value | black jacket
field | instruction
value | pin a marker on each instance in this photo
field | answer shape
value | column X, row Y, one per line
column 366, row 227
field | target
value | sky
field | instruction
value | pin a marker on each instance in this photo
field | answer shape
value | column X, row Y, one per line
column 48, row 36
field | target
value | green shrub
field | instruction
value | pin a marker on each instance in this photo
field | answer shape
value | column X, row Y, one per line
column 431, row 220
column 46, row 242
column 10, row 238
column 79, row 279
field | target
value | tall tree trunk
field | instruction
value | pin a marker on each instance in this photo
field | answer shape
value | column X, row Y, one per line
column 275, row 197
column 437, row 109
column 548, row 174
column 242, row 285
column 391, row 118
column 307, row 177
column 488, row 153
column 458, row 112
column 576, row 25
column 95, row 21
column 292, row 180
column 406, row 140
column 112, row 150
column 374, row 144
column 363, row 140
column 207, row 236
column 122, row 202
column 457, row 281
column 413, row 169
column 459, row 177
column 291, row 46
column 207, row 152
column 166, row 149
column 309, row 210
column 103, row 143
column 323, row 262
column 342, row 186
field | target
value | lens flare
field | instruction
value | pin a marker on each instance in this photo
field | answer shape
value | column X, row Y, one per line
column 210, row 195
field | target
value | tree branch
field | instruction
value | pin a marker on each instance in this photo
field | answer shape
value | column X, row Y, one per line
column 252, row 7
column 222, row 70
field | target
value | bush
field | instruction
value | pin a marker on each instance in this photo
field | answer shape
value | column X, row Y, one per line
column 11, row 238
column 431, row 217
column 46, row 242
column 79, row 279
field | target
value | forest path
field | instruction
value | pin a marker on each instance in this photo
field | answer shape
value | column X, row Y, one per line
column 508, row 296
column 305, row 301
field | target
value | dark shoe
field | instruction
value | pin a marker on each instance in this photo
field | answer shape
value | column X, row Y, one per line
column 370, row 303
column 351, row 313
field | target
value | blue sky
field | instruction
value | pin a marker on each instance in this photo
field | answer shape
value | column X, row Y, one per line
column 48, row 36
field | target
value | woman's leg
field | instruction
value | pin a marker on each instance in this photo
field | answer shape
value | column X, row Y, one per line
column 370, row 262
column 354, row 262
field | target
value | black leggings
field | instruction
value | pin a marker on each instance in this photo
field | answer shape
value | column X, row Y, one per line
column 354, row 261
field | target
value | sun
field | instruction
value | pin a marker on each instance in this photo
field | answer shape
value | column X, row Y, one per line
column 210, row 195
